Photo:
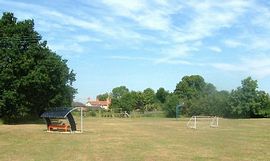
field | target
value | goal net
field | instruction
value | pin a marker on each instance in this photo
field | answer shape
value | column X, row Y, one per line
column 202, row 121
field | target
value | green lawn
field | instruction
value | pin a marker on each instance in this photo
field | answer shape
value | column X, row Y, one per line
column 151, row 139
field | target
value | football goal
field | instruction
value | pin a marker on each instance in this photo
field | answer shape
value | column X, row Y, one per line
column 202, row 121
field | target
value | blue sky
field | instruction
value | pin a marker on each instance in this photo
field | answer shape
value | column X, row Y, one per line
column 154, row 43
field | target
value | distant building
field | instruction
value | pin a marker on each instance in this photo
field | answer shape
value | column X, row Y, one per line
column 99, row 104
column 80, row 105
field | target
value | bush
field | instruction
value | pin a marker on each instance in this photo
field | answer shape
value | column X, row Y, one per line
column 92, row 113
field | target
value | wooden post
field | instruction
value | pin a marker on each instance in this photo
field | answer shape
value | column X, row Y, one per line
column 81, row 119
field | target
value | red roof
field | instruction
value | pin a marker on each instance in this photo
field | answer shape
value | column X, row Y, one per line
column 100, row 103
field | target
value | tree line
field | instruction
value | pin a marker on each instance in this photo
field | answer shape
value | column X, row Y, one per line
column 196, row 97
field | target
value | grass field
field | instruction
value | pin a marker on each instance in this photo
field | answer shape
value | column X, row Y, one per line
column 150, row 139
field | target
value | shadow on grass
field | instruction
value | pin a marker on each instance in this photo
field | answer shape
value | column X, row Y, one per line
column 22, row 121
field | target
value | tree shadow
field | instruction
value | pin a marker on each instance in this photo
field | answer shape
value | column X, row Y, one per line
column 21, row 121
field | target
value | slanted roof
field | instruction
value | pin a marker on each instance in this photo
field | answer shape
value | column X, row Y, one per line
column 57, row 113
column 60, row 113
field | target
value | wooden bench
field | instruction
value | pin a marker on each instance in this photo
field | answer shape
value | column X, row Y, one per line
column 63, row 127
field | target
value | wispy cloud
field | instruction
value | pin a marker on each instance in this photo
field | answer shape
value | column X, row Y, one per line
column 177, row 29
column 129, row 58
column 215, row 49
column 262, row 17
column 154, row 15
column 66, row 47
column 86, row 38
column 207, row 19
column 258, row 66
column 232, row 43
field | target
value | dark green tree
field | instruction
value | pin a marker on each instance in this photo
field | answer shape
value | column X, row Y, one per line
column 192, row 90
column 128, row 102
column 32, row 77
column 190, row 87
column 162, row 94
column 264, row 99
column 103, row 97
column 170, row 105
column 246, row 101
column 214, row 104
column 118, row 92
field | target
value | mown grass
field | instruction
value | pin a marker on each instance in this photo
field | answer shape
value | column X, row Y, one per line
column 150, row 139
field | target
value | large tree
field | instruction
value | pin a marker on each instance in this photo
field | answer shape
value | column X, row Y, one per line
column 32, row 77
column 247, row 101
column 190, row 87
column 118, row 92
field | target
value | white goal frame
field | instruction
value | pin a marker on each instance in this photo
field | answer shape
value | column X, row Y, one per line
column 193, row 121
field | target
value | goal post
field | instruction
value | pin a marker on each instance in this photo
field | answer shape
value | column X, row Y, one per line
column 195, row 121
column 214, row 122
column 192, row 122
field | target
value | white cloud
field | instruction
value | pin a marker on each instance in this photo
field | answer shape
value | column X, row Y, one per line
column 86, row 38
column 227, row 67
column 176, row 62
column 89, row 24
column 233, row 43
column 129, row 58
column 154, row 15
column 258, row 66
column 169, row 54
column 66, row 48
column 125, row 6
column 262, row 18
column 215, row 49
column 207, row 19
column 259, row 43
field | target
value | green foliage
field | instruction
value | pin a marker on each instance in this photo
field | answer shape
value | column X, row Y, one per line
column 103, row 97
column 264, row 99
column 170, row 105
column 246, row 101
column 92, row 113
column 148, row 99
column 190, row 87
column 118, row 92
column 196, row 94
column 199, row 98
column 129, row 101
column 161, row 95
column 214, row 104
column 32, row 77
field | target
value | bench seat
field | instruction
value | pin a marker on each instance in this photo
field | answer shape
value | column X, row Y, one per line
column 63, row 127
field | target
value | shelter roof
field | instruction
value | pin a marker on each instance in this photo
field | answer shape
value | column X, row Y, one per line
column 57, row 113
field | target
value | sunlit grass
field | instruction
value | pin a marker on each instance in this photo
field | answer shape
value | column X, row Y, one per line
column 139, row 139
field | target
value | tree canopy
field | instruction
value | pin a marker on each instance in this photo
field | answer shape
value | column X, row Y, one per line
column 248, row 101
column 32, row 77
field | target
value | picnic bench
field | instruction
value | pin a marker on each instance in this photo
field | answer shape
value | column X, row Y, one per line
column 58, row 126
